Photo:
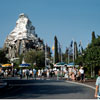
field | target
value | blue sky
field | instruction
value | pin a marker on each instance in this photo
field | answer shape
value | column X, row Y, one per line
column 67, row 19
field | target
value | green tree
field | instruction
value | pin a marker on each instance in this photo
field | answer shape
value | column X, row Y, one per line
column 79, row 60
column 3, row 58
column 48, row 52
column 65, row 56
column 92, row 55
column 30, row 56
column 93, row 36
column 37, row 57
column 40, row 59
column 56, row 50
column 75, row 50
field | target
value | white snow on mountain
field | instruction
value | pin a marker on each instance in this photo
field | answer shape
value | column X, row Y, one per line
column 23, row 30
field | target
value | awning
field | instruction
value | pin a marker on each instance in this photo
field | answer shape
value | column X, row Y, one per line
column 70, row 64
column 6, row 65
column 60, row 64
column 24, row 65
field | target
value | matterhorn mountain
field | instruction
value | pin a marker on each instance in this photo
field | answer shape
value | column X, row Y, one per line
column 22, row 38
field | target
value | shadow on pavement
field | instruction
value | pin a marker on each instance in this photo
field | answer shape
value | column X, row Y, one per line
column 40, row 89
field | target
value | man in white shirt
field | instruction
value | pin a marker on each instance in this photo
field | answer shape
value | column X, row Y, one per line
column 81, row 71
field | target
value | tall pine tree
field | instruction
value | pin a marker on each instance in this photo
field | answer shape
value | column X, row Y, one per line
column 75, row 50
column 56, row 50
column 93, row 36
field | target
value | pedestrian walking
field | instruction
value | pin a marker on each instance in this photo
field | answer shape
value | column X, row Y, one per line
column 58, row 74
column 81, row 71
column 77, row 75
column 23, row 72
column 27, row 73
column 73, row 74
column 47, row 73
column 39, row 73
column 34, row 72
column 67, row 74
column 20, row 72
column 97, row 90
column 70, row 72
column 30, row 73
column 6, row 73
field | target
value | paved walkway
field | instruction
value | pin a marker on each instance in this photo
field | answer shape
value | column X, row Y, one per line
column 90, row 82
column 87, row 82
column 46, row 89
column 2, row 83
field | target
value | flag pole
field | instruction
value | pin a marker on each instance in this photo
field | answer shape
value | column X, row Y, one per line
column 75, row 51
column 53, row 50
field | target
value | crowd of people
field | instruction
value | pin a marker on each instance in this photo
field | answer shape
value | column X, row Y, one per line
column 4, row 73
column 25, row 72
column 69, row 73
column 75, row 74
column 33, row 73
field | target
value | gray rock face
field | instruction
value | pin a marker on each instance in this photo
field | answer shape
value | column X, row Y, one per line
column 22, row 38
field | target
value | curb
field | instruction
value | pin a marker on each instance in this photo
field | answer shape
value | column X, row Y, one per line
column 81, row 84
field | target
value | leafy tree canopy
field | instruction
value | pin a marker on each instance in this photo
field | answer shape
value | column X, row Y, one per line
column 37, row 57
column 3, row 58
